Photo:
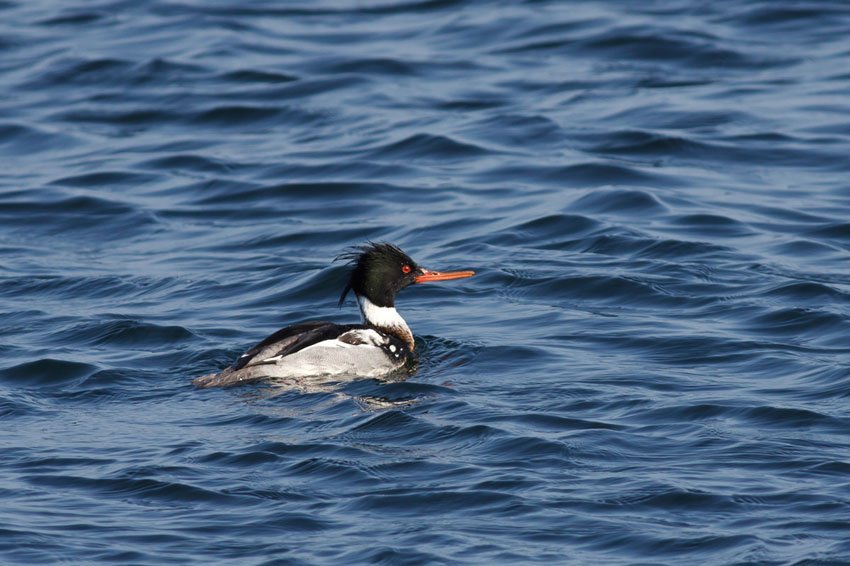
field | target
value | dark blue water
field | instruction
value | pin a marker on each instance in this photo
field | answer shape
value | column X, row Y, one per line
column 652, row 364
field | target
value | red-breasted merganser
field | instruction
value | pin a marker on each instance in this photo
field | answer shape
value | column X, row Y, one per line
column 379, row 346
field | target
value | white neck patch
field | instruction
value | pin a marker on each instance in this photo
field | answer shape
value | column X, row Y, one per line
column 382, row 317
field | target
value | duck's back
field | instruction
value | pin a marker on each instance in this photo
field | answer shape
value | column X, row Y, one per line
column 315, row 349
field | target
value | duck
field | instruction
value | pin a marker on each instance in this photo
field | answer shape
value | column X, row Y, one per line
column 380, row 345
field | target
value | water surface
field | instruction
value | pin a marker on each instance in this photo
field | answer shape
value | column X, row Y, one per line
column 650, row 366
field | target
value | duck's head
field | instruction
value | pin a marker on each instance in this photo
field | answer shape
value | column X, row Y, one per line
column 380, row 271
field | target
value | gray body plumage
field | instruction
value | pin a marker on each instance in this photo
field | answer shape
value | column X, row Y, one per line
column 361, row 352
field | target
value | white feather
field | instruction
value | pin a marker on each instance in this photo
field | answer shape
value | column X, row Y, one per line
column 382, row 317
column 333, row 357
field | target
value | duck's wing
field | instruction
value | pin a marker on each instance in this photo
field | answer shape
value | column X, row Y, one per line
column 289, row 340
column 286, row 341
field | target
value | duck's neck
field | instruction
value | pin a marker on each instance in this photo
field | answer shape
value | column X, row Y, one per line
column 386, row 319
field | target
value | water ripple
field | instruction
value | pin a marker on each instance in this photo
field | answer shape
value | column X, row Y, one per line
column 650, row 364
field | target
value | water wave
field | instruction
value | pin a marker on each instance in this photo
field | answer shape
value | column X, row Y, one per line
column 650, row 364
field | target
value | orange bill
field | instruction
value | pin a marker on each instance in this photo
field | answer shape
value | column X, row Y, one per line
column 437, row 276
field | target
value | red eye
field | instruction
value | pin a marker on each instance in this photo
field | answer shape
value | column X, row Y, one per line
column 405, row 269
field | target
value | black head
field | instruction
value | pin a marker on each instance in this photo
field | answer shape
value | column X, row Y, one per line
column 379, row 272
